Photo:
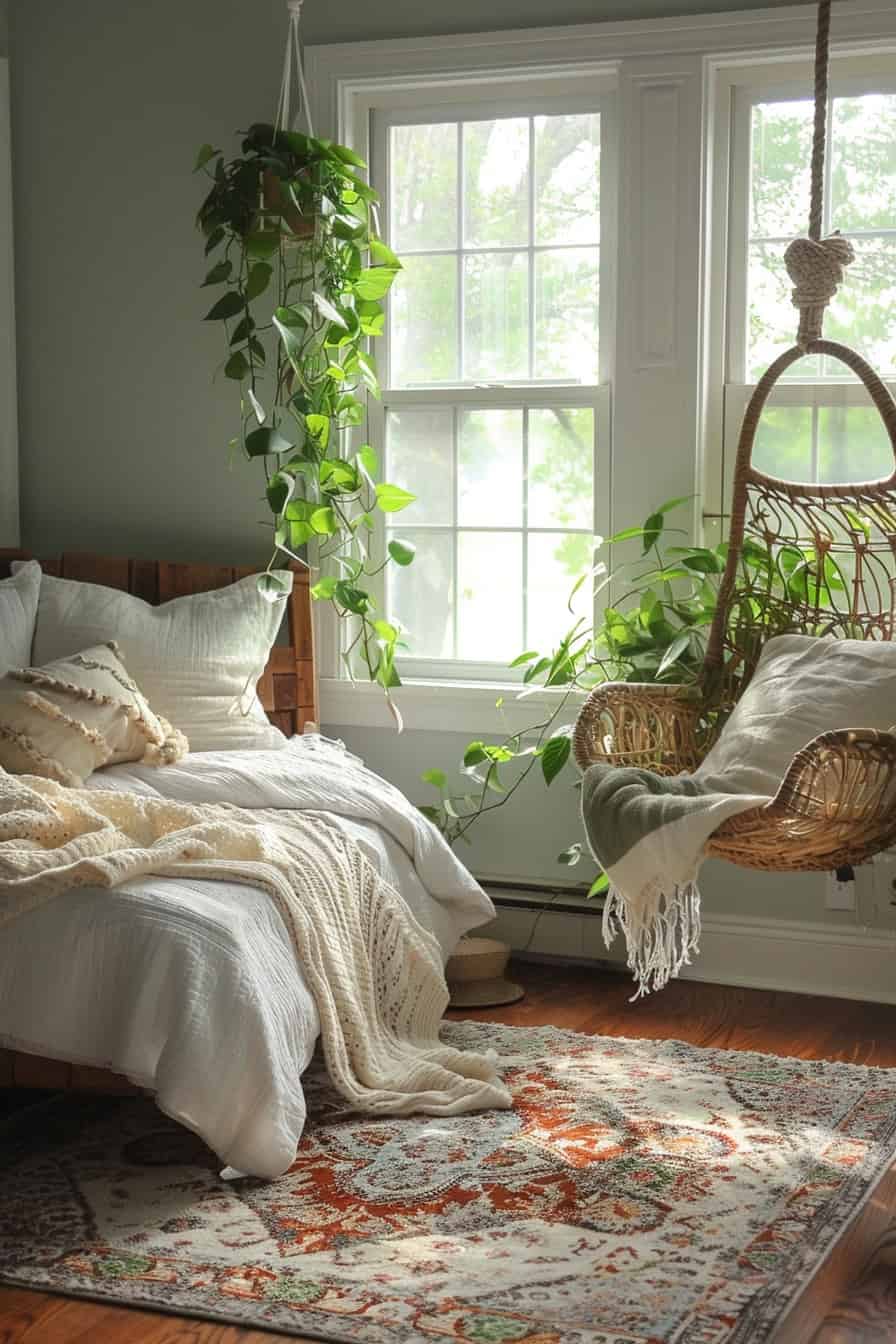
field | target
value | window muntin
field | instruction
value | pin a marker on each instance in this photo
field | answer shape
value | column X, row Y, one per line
column 503, row 528
column 859, row 200
column 499, row 297
column 505, row 233
column 818, row 425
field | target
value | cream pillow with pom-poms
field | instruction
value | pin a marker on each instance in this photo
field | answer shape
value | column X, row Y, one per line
column 68, row 718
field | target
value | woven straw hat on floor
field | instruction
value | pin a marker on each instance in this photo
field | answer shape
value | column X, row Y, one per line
column 475, row 975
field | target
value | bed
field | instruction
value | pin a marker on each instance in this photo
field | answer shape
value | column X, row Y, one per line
column 191, row 989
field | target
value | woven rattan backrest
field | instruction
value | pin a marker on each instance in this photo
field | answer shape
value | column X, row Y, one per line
column 848, row 589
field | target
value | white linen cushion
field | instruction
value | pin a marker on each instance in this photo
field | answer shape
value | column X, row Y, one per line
column 197, row 658
column 18, row 609
column 802, row 686
column 65, row 720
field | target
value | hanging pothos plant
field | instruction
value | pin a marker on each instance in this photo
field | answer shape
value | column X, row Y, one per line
column 655, row 631
column 291, row 229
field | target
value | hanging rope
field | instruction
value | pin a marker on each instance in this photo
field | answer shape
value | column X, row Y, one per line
column 293, row 51
column 819, row 132
column 816, row 265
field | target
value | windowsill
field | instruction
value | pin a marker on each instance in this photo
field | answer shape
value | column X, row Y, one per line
column 465, row 708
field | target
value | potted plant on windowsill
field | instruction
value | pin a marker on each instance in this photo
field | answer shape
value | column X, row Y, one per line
column 291, row 227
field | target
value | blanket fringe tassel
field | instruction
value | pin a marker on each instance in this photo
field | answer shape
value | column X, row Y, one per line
column 660, row 936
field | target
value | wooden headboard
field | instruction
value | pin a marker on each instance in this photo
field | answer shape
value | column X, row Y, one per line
column 288, row 686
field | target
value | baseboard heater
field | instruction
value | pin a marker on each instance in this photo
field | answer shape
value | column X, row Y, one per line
column 541, row 896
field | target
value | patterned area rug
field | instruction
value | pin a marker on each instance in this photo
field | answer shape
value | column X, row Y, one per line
column 639, row 1191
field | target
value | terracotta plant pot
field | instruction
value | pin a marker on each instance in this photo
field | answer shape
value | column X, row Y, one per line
column 302, row 226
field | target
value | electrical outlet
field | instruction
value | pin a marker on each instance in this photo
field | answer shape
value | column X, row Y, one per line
column 878, row 908
column 841, row 890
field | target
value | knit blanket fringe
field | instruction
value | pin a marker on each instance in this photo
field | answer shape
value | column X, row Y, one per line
column 661, row 931
column 375, row 972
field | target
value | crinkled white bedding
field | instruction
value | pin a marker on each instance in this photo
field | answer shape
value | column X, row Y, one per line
column 191, row 988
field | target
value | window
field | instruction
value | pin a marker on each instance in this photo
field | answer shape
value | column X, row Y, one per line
column 820, row 425
column 492, row 413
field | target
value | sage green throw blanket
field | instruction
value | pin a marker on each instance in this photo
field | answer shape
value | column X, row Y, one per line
column 649, row 833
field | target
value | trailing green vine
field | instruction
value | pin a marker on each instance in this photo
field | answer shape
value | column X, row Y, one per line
column 655, row 631
column 293, row 229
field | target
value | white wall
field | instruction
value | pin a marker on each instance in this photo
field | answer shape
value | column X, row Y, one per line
column 522, row 839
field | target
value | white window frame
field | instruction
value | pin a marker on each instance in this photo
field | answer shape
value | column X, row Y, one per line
column 738, row 88
column 542, row 90
column 532, row 397
column 674, row 80
column 530, row 95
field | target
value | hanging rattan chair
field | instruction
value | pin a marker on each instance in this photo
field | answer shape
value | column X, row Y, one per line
column 837, row 803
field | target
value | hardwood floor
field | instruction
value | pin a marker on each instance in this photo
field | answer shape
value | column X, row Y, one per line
column 593, row 1001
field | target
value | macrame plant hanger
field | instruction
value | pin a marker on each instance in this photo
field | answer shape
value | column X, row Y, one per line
column 301, row 225
column 293, row 65
column 837, row 803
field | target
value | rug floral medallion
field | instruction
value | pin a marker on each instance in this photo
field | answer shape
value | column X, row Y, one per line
column 637, row 1192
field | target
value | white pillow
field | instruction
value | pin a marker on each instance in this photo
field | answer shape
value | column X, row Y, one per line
column 197, row 658
column 18, row 608
column 67, row 719
column 802, row 686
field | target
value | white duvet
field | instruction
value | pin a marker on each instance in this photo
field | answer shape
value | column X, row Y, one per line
column 191, row 988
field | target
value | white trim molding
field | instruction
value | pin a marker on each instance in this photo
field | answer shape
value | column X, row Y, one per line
column 9, row 445
column 466, row 708
column 335, row 68
column 799, row 956
column 664, row 82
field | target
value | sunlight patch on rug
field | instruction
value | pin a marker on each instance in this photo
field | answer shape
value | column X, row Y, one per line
column 637, row 1191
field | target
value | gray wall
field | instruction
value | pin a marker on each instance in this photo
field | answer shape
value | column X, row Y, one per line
column 4, row 25
column 123, row 439
column 524, row 838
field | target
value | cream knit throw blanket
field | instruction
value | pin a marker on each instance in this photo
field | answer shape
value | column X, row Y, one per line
column 375, row 973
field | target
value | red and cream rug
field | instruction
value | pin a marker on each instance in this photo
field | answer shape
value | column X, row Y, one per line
column 638, row 1191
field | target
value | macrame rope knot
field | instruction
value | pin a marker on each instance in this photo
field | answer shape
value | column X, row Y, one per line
column 816, row 269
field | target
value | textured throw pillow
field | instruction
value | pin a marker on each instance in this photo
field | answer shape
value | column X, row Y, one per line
column 802, row 686
column 197, row 658
column 65, row 720
column 18, row 609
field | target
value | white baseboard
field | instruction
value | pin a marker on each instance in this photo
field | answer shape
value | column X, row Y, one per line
column 795, row 955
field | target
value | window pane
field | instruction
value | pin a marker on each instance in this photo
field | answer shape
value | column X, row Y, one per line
column 561, row 467
column 567, row 179
column 490, row 595
column 863, row 311
column 490, row 469
column 419, row 456
column 566, row 284
column 496, row 182
column 863, row 162
column 424, row 321
column 423, row 219
column 496, row 315
column 421, row 594
column 783, row 443
column 852, row 445
column 556, row 561
column 772, row 318
column 779, row 187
